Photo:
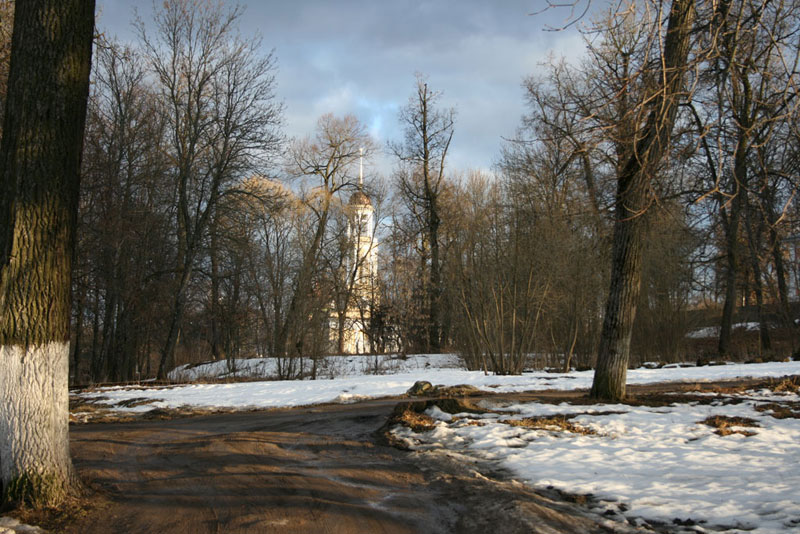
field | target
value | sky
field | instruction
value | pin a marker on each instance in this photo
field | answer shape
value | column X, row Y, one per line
column 360, row 57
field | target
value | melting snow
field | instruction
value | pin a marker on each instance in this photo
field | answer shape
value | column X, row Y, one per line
column 272, row 394
column 646, row 464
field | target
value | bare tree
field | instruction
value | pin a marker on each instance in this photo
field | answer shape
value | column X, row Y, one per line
column 423, row 155
column 649, row 144
column 613, row 115
column 500, row 279
column 123, row 220
column 329, row 160
column 48, row 85
column 559, row 170
column 222, row 119
column 750, row 97
column 777, row 185
column 268, row 214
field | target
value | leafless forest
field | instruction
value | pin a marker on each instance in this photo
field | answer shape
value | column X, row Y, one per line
column 204, row 233
column 153, row 212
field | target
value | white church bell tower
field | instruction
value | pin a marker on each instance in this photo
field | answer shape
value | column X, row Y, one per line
column 363, row 265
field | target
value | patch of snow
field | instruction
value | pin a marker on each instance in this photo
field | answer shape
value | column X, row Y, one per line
column 660, row 462
column 711, row 332
column 436, row 413
column 271, row 394
column 679, row 365
column 327, row 367
column 9, row 525
column 349, row 398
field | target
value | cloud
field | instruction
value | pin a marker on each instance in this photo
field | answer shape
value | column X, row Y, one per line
column 360, row 56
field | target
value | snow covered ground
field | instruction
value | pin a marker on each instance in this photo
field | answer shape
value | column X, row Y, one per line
column 437, row 369
column 646, row 464
column 709, row 332
column 328, row 367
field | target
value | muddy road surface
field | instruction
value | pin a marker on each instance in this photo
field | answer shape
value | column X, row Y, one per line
column 318, row 470
column 321, row 469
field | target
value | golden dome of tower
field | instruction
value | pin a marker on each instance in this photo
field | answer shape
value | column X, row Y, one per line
column 359, row 199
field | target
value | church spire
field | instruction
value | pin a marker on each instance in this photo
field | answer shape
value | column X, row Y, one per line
column 361, row 169
column 359, row 198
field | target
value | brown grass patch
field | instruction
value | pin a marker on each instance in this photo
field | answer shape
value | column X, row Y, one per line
column 786, row 384
column 418, row 422
column 81, row 404
column 789, row 384
column 473, row 422
column 461, row 390
column 56, row 519
column 412, row 415
column 455, row 406
column 136, row 401
column 780, row 411
column 557, row 423
column 724, row 425
column 423, row 388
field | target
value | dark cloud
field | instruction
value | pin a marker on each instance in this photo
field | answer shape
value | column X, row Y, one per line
column 360, row 56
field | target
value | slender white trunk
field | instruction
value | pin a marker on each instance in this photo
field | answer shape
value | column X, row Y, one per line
column 34, row 418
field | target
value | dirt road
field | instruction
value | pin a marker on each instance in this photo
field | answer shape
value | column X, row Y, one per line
column 317, row 470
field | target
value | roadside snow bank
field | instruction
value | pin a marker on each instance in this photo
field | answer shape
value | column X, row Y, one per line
column 271, row 394
column 653, row 465
column 327, row 367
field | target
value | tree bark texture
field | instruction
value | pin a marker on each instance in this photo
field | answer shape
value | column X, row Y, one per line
column 743, row 104
column 40, row 156
column 754, row 237
column 731, row 270
column 167, row 359
column 633, row 196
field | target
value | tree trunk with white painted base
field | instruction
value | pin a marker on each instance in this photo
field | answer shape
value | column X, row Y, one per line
column 40, row 162
column 34, row 430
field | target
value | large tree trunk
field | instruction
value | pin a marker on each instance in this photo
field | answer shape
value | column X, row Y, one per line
column 731, row 270
column 217, row 352
column 738, row 205
column 776, row 250
column 167, row 360
column 435, row 290
column 40, row 155
column 633, row 190
column 755, row 236
column 615, row 340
